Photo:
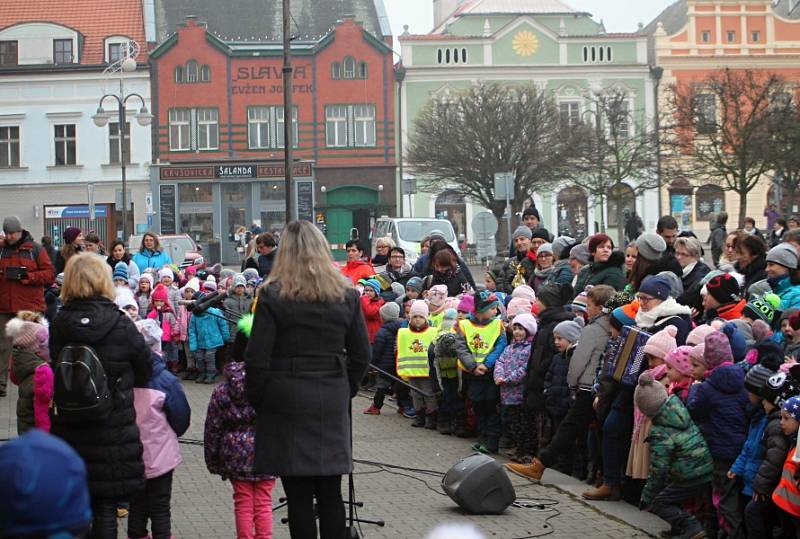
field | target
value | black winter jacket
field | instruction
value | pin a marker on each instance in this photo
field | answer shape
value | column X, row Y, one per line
column 384, row 347
column 754, row 272
column 111, row 449
column 556, row 388
column 542, row 356
column 774, row 446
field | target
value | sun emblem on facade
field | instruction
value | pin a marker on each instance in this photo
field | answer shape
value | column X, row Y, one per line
column 525, row 43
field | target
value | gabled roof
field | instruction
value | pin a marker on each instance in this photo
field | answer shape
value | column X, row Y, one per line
column 788, row 9
column 262, row 20
column 94, row 19
column 674, row 17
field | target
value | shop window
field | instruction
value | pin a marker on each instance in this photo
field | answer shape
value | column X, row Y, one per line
column 62, row 51
column 621, row 195
column 199, row 224
column 9, row 146
column 65, row 145
column 194, row 193
column 710, row 201
column 9, row 53
column 273, row 191
column 207, row 129
column 179, row 129
column 113, row 143
column 349, row 67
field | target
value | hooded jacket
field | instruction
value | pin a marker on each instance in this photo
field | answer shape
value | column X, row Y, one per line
column 561, row 274
column 678, row 453
column 774, row 446
column 383, row 348
column 237, row 305
column 146, row 258
column 754, row 272
column 586, row 359
column 358, row 269
column 15, row 296
column 34, row 377
column 542, row 353
column 207, row 330
column 719, row 406
column 511, row 367
column 111, row 449
column 230, row 429
column 788, row 292
column 557, row 397
column 749, row 460
column 667, row 313
column 162, row 415
column 609, row 272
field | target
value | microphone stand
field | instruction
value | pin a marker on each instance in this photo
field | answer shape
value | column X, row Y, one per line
column 352, row 528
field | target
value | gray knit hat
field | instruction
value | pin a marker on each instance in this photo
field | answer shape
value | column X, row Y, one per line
column 390, row 311
column 523, row 231
column 561, row 243
column 545, row 248
column 570, row 329
column 398, row 289
column 650, row 395
column 12, row 224
column 756, row 378
column 783, row 254
column 651, row 246
column 580, row 253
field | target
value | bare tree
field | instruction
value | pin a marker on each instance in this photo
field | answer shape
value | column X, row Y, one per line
column 784, row 152
column 616, row 146
column 717, row 130
column 489, row 128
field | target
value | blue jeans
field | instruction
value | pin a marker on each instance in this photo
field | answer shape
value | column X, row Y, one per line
column 616, row 443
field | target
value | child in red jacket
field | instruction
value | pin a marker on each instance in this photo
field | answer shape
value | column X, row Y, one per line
column 371, row 304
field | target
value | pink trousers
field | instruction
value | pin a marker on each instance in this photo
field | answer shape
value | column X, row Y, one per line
column 252, row 503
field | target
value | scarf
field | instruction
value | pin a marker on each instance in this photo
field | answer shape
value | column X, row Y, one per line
column 688, row 269
column 668, row 307
column 543, row 273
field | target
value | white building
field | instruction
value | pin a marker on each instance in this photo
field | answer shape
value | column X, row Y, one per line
column 53, row 73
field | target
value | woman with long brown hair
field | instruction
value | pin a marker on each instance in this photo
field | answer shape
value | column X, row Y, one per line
column 307, row 353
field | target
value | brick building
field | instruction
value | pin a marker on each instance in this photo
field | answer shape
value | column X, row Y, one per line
column 218, row 107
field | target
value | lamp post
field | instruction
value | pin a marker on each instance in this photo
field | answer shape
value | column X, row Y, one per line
column 143, row 117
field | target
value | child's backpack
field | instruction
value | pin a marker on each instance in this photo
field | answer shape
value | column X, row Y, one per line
column 80, row 392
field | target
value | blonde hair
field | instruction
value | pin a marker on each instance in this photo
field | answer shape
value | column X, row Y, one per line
column 385, row 241
column 87, row 275
column 304, row 266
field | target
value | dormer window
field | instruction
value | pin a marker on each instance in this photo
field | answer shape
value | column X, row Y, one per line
column 9, row 53
column 116, row 52
column 62, row 51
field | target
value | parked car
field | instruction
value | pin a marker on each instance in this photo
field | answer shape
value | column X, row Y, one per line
column 409, row 232
column 181, row 248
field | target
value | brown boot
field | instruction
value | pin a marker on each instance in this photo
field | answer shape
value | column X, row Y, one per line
column 533, row 471
column 603, row 493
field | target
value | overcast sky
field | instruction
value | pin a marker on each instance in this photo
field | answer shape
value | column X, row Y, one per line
column 618, row 15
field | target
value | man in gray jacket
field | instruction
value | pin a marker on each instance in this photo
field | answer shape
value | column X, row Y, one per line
column 582, row 369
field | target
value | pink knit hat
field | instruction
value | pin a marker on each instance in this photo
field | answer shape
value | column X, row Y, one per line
column 717, row 350
column 418, row 308
column 519, row 306
column 697, row 353
column 27, row 335
column 662, row 343
column 437, row 294
column 467, row 304
column 524, row 291
column 698, row 334
column 679, row 360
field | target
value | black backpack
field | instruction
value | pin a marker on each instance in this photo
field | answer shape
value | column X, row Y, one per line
column 81, row 391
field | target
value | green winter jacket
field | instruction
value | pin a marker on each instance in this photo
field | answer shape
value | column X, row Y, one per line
column 678, row 452
column 609, row 272
column 23, row 369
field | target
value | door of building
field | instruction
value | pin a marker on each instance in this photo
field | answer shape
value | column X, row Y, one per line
column 236, row 213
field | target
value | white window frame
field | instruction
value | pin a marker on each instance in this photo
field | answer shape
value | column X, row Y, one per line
column 113, row 143
column 258, row 118
column 349, row 68
column 336, row 124
column 364, row 134
column 351, row 126
column 207, row 128
column 572, row 118
column 730, row 36
column 278, row 114
column 65, row 140
column 7, row 143
column 705, row 36
column 180, row 129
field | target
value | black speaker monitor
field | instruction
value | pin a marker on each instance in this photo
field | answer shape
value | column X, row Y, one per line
column 479, row 485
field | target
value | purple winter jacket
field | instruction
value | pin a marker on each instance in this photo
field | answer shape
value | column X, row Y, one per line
column 230, row 429
column 512, row 366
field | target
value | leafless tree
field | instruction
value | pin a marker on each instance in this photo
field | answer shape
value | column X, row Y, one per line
column 461, row 142
column 784, row 152
column 717, row 130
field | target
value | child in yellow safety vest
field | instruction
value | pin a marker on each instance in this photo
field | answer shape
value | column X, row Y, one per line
column 452, row 412
column 787, row 495
column 481, row 340
column 413, row 345
column 436, row 298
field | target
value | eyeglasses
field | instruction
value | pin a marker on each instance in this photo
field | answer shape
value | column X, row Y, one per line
column 397, row 256
column 644, row 299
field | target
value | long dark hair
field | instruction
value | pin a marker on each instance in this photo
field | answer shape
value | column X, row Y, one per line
column 640, row 270
column 125, row 256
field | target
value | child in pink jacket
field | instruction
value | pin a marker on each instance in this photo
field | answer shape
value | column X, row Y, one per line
column 30, row 370
column 163, row 311
column 162, row 415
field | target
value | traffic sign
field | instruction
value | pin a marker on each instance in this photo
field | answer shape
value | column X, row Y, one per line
column 484, row 224
column 504, row 186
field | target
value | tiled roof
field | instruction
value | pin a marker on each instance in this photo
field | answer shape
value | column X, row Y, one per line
column 261, row 20
column 94, row 19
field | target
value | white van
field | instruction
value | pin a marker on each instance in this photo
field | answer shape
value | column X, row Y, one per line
column 409, row 232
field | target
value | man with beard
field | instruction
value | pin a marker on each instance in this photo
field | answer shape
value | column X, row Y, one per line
column 520, row 267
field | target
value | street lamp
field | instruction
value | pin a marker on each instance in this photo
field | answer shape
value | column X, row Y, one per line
column 143, row 118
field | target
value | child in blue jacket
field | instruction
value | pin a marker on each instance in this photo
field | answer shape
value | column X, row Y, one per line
column 207, row 332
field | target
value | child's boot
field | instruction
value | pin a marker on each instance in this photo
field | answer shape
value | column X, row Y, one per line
column 210, row 376
column 445, row 426
column 190, row 374
column 201, row 375
column 430, row 420
column 419, row 419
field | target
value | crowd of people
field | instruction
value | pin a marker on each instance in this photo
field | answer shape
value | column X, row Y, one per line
column 659, row 375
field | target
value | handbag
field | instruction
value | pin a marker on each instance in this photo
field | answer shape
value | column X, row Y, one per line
column 629, row 362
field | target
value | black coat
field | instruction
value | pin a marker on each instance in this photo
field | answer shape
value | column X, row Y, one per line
column 774, row 446
column 691, row 281
column 456, row 282
column 667, row 262
column 682, row 322
column 304, row 363
column 542, row 352
column 111, row 449
column 384, row 347
column 754, row 272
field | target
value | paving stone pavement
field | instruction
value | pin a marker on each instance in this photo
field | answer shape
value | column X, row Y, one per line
column 411, row 504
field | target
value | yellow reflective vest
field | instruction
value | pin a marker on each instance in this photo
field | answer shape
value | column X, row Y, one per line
column 412, row 352
column 436, row 319
column 481, row 339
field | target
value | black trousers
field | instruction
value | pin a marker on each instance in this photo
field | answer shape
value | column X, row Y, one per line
column 574, row 426
column 104, row 519
column 301, row 492
column 152, row 503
